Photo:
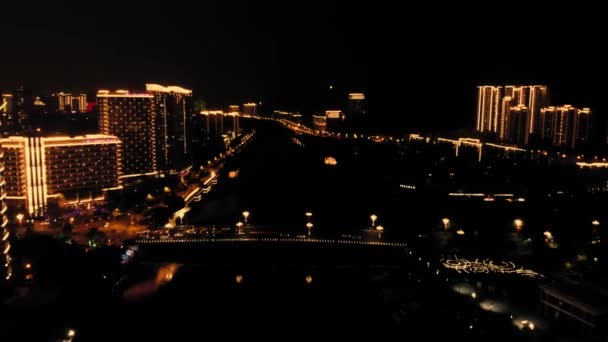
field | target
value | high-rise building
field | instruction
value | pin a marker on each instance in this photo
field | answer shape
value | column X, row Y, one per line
column 516, row 124
column 334, row 120
column 5, row 243
column 488, row 108
column 582, row 126
column 565, row 125
column 7, row 119
column 131, row 118
column 218, row 122
column 356, row 104
column 250, row 109
column 71, row 169
column 494, row 102
column 72, row 103
column 174, row 114
column 234, row 109
column 319, row 123
column 22, row 106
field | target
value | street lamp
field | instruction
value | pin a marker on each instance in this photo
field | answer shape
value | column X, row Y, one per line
column 245, row 215
column 596, row 225
column 239, row 225
column 373, row 217
column 519, row 223
column 20, row 218
column 70, row 335
column 309, row 225
column 308, row 216
column 380, row 229
column 446, row 223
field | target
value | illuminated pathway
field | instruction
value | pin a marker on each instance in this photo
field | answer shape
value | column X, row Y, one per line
column 271, row 240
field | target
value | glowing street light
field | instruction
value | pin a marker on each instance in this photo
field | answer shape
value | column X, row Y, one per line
column 70, row 335
column 309, row 279
column 20, row 218
column 239, row 225
column 245, row 215
column 596, row 225
column 380, row 229
column 308, row 216
column 519, row 223
column 446, row 223
column 373, row 217
column 309, row 225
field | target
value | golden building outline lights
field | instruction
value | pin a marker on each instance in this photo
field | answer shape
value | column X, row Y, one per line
column 214, row 121
column 77, row 103
column 565, row 125
column 130, row 117
column 356, row 96
column 5, row 243
column 250, row 108
column 172, row 114
column 40, row 168
column 495, row 102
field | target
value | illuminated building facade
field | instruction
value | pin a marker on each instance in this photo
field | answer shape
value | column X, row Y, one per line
column 495, row 102
column 516, row 125
column 173, row 112
column 334, row 119
column 356, row 104
column 218, row 122
column 22, row 106
column 250, row 109
column 71, row 103
column 6, row 114
column 234, row 109
column 5, row 244
column 71, row 169
column 565, row 126
column 319, row 123
column 131, row 118
column 488, row 108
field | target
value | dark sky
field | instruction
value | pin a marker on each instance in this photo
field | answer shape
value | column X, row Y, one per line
column 418, row 65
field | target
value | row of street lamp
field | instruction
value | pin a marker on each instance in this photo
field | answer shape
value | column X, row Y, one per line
column 310, row 225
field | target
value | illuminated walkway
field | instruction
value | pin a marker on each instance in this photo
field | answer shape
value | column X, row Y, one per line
column 271, row 240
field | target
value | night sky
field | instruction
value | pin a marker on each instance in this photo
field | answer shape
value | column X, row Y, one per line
column 418, row 66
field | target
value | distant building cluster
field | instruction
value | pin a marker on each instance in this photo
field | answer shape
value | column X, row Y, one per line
column 139, row 133
column 521, row 115
column 67, row 102
column 352, row 118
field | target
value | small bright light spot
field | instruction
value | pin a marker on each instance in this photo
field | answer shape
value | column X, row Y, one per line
column 474, row 295
column 308, row 279
column 239, row 279
column 460, row 232
column 71, row 333
column 595, row 222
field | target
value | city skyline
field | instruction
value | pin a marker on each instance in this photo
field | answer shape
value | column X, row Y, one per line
column 270, row 53
column 302, row 167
